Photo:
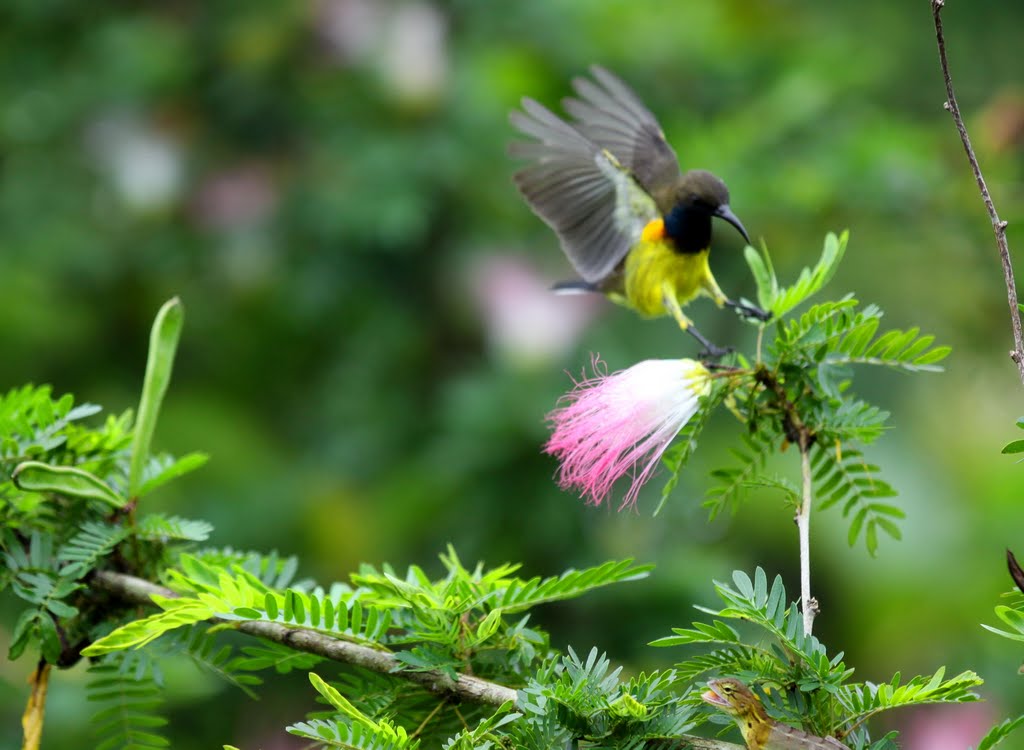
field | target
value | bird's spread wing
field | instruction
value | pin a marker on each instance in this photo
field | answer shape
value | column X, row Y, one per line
column 580, row 190
column 612, row 116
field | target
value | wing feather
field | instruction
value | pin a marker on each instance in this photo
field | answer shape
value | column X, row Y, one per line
column 609, row 114
column 580, row 190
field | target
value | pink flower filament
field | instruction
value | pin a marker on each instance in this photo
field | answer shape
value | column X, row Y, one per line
column 613, row 425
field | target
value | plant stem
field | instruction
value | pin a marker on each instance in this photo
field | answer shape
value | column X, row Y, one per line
column 465, row 687
column 797, row 432
column 998, row 225
column 808, row 604
column 32, row 719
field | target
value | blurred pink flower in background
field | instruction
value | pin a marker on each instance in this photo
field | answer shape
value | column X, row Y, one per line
column 238, row 196
column 238, row 203
column 613, row 425
column 526, row 323
column 946, row 727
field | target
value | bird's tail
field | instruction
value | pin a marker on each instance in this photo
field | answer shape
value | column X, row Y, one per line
column 574, row 287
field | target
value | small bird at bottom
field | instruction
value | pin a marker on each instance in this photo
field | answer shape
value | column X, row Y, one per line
column 760, row 731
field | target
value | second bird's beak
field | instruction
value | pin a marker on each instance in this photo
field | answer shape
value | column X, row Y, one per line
column 724, row 212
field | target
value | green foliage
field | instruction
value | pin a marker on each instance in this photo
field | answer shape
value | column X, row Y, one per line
column 93, row 542
column 587, row 700
column 780, row 300
column 67, row 512
column 35, row 476
column 352, row 729
column 798, row 392
column 470, row 620
column 1000, row 732
column 734, row 482
column 163, row 342
column 485, row 734
column 226, row 663
column 1012, row 615
column 451, row 622
column 33, row 424
column 1015, row 446
column 804, row 685
column 125, row 717
column 845, row 478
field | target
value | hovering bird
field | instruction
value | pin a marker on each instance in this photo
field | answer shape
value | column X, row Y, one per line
column 633, row 225
column 759, row 730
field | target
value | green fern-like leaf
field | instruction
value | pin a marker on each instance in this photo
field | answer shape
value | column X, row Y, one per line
column 907, row 350
column 1000, row 732
column 1013, row 617
column 352, row 728
column 484, row 734
column 767, row 607
column 864, row 700
column 163, row 468
column 92, row 543
column 178, row 613
column 734, row 482
column 200, row 645
column 846, row 479
column 269, row 655
column 32, row 422
column 270, row 569
column 810, row 281
column 850, row 419
column 164, row 529
column 744, row 662
column 126, row 717
column 519, row 595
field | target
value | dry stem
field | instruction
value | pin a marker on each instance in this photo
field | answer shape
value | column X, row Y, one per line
column 998, row 225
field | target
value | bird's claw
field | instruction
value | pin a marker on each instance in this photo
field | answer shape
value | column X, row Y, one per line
column 713, row 353
column 763, row 315
column 750, row 312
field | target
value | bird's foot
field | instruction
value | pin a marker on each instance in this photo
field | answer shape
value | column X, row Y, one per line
column 750, row 312
column 713, row 353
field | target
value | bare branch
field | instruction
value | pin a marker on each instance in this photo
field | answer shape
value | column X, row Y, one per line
column 998, row 225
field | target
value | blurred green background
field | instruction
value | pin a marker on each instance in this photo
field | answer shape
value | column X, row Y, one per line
column 370, row 348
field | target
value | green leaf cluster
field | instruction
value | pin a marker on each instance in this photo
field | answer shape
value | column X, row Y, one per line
column 70, row 496
column 70, row 508
column 800, row 683
column 797, row 391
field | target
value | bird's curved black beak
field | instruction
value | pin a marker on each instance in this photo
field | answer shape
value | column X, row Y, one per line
column 724, row 212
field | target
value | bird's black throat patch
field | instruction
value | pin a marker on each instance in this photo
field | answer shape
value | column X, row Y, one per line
column 689, row 227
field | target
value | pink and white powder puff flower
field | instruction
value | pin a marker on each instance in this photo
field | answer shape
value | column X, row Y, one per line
column 613, row 425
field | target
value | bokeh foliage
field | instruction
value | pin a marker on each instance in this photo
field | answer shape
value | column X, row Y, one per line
column 324, row 185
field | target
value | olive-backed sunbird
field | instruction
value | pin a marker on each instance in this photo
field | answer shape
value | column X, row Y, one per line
column 633, row 225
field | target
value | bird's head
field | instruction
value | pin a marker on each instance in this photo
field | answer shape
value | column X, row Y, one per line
column 702, row 191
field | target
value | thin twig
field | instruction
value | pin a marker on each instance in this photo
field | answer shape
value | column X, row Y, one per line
column 797, row 432
column 466, row 687
column 998, row 225
column 808, row 604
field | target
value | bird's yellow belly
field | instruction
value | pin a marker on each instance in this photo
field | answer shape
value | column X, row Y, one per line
column 653, row 267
